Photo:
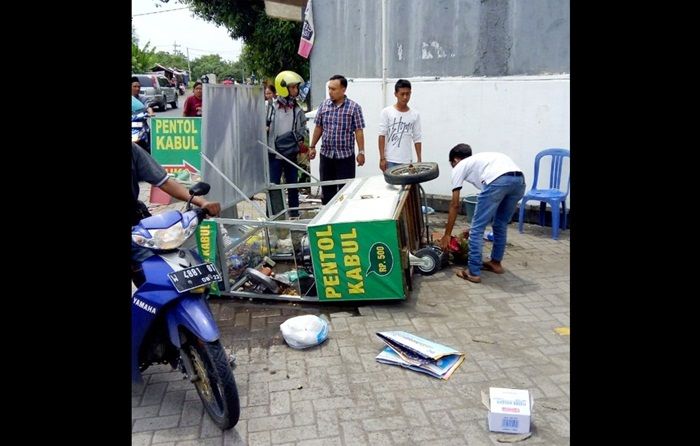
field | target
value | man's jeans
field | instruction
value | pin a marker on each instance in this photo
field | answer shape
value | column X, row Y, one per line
column 496, row 201
column 277, row 166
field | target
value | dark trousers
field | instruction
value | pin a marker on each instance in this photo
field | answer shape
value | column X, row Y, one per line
column 277, row 166
column 335, row 169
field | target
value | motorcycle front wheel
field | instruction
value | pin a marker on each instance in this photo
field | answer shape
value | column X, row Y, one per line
column 215, row 384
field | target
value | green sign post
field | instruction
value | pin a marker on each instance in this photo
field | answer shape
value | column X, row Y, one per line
column 176, row 143
column 357, row 261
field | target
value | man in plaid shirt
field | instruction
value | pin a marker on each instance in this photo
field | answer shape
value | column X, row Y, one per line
column 340, row 121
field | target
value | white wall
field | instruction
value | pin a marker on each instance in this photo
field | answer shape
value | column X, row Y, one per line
column 516, row 115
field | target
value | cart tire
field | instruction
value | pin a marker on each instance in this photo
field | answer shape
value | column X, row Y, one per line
column 259, row 278
column 411, row 173
column 434, row 264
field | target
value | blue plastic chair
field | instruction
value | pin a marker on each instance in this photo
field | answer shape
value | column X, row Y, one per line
column 553, row 195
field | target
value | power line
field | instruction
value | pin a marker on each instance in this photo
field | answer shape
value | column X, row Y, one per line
column 159, row 12
column 222, row 51
column 195, row 49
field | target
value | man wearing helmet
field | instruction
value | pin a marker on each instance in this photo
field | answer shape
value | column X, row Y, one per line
column 286, row 116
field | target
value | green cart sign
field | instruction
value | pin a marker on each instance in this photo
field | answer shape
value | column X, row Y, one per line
column 176, row 143
column 357, row 261
column 207, row 233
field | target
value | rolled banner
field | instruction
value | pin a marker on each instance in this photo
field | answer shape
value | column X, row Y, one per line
column 307, row 34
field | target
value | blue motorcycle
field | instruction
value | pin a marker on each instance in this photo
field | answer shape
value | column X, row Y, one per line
column 140, row 130
column 171, row 322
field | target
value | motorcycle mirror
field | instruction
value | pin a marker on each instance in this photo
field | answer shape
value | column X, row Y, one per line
column 200, row 188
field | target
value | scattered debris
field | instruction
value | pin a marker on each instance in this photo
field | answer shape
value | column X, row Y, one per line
column 509, row 411
column 304, row 331
column 548, row 406
column 484, row 341
column 419, row 354
column 513, row 438
column 563, row 331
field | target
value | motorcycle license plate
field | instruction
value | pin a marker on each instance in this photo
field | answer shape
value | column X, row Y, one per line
column 194, row 276
column 136, row 125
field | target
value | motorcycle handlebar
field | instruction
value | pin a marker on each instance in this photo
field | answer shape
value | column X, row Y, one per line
column 201, row 213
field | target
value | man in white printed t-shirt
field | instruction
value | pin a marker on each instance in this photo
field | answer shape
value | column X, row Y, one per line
column 399, row 129
column 502, row 185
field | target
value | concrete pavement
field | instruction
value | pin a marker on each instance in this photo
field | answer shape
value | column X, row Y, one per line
column 337, row 394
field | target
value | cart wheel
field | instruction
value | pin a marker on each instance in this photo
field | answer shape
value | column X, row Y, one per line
column 411, row 173
column 262, row 280
column 431, row 259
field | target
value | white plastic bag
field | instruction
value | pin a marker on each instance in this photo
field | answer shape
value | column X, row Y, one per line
column 304, row 331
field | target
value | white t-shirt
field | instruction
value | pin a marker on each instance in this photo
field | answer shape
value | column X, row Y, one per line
column 481, row 169
column 401, row 130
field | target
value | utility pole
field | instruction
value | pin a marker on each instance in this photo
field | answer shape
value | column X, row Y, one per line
column 189, row 67
column 175, row 45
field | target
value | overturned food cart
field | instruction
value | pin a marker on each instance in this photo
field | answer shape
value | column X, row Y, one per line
column 362, row 245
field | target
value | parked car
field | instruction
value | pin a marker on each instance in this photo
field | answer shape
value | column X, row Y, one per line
column 158, row 89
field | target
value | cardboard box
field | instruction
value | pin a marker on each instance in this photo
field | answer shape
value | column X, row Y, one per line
column 509, row 410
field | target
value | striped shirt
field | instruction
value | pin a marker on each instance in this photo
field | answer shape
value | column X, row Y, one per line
column 339, row 124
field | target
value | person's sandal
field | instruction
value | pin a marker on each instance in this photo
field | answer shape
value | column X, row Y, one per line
column 464, row 274
column 493, row 267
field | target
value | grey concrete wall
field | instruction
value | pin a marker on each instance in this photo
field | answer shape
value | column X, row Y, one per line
column 439, row 38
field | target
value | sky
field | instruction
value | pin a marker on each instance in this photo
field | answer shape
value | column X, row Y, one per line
column 182, row 27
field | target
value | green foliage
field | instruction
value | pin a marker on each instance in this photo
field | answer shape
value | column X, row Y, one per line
column 273, row 48
column 142, row 59
column 176, row 60
column 212, row 63
column 270, row 45
column 240, row 17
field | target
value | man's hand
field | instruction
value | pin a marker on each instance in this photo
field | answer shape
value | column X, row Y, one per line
column 360, row 159
column 312, row 153
column 213, row 208
column 445, row 242
column 382, row 164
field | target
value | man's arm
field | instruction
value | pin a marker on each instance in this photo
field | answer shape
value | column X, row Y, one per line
column 177, row 190
column 148, row 103
column 382, row 158
column 360, row 137
column 451, row 218
column 318, row 130
column 417, row 138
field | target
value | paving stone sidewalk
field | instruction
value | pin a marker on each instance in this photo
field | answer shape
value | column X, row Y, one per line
column 337, row 394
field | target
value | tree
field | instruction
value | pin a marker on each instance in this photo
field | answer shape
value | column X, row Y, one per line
column 270, row 44
column 211, row 63
column 141, row 59
column 176, row 60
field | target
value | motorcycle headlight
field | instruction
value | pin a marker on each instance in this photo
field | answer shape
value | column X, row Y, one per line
column 169, row 238
column 166, row 238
